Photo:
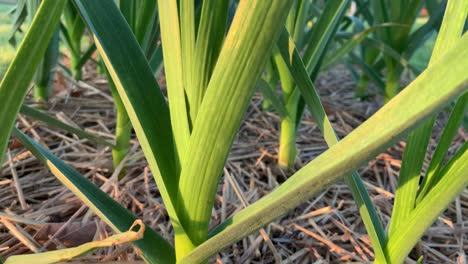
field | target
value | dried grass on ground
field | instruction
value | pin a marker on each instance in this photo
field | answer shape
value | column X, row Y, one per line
column 327, row 229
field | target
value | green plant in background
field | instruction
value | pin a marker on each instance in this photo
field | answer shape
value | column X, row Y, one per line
column 73, row 29
column 328, row 26
column 142, row 17
column 298, row 91
column 6, row 50
column 314, row 44
column 290, row 106
column 143, row 20
column 399, row 41
column 186, row 143
column 45, row 72
column 15, row 83
column 24, row 12
column 443, row 180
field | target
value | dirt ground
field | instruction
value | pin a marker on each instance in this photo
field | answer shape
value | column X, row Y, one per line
column 327, row 229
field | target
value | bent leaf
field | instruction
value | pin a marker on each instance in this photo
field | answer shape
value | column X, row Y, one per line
column 71, row 253
column 153, row 247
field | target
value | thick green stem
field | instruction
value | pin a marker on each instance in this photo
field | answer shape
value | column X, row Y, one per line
column 123, row 133
column 123, row 128
column 288, row 131
column 41, row 93
column 391, row 86
column 287, row 149
column 75, row 69
column 271, row 77
column 100, row 66
column 370, row 55
column 44, row 72
column 361, row 89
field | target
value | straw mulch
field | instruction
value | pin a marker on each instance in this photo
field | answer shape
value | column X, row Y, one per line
column 38, row 213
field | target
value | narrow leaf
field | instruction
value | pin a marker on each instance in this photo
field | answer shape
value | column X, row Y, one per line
column 454, row 179
column 450, row 130
column 144, row 19
column 154, row 248
column 410, row 172
column 53, row 122
column 369, row 71
column 86, row 55
column 270, row 94
column 176, row 92
column 352, row 43
column 323, row 31
column 14, row 84
column 210, row 38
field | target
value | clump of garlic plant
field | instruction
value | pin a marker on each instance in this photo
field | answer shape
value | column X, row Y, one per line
column 211, row 75
column 328, row 26
column 392, row 47
column 290, row 105
column 73, row 29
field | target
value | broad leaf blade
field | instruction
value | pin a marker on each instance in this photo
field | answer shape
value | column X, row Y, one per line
column 187, row 41
column 140, row 94
column 139, row 91
column 240, row 64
